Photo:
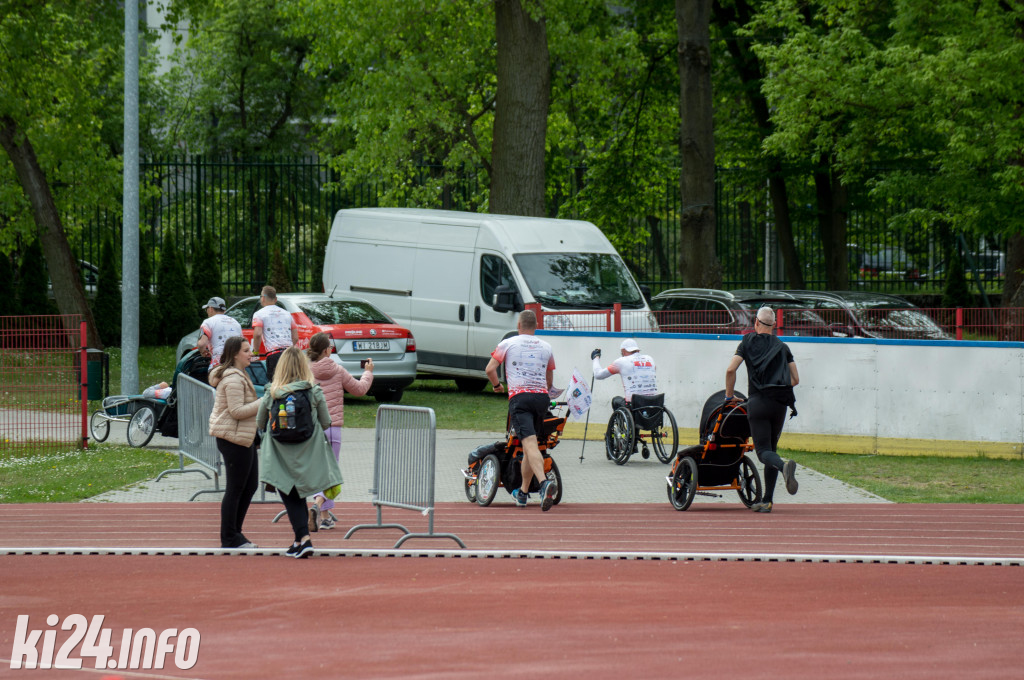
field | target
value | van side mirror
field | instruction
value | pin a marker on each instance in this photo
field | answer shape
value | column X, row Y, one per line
column 507, row 300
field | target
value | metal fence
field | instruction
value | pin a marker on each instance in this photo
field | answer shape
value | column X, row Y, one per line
column 403, row 467
column 43, row 380
column 195, row 404
column 253, row 207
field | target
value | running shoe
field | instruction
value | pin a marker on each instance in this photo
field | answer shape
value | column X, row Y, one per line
column 327, row 522
column 304, row 550
column 789, row 473
column 314, row 518
column 547, row 494
column 519, row 497
column 248, row 545
column 761, row 507
column 292, row 549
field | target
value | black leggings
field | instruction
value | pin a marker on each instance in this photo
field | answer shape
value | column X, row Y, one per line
column 241, row 477
column 298, row 513
column 766, row 417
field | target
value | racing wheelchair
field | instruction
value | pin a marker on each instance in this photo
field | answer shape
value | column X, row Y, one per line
column 627, row 423
column 499, row 464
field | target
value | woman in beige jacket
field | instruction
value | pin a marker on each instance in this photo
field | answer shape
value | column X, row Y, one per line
column 233, row 423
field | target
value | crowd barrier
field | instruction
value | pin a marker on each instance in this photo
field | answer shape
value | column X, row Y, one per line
column 195, row 404
column 403, row 467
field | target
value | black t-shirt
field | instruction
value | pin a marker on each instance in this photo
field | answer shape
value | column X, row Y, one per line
column 767, row 359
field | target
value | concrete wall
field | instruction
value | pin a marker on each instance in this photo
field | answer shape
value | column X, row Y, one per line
column 855, row 395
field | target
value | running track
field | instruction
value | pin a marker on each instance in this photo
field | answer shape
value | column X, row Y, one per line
column 624, row 591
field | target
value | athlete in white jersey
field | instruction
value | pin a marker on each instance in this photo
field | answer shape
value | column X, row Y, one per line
column 215, row 330
column 274, row 327
column 529, row 368
column 638, row 372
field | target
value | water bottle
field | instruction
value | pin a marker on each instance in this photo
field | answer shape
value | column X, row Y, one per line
column 289, row 407
column 282, row 419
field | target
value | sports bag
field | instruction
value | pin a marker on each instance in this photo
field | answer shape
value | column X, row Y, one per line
column 299, row 417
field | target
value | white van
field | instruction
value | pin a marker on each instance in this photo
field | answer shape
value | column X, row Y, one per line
column 457, row 279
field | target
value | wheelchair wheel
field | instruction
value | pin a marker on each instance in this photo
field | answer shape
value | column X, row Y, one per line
column 618, row 438
column 683, row 486
column 470, row 487
column 99, row 426
column 554, row 474
column 141, row 427
column 666, row 438
column 488, row 479
column 749, row 482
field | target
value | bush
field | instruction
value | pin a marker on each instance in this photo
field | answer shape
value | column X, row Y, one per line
column 206, row 281
column 956, row 293
column 34, row 283
column 279, row 277
column 179, row 311
column 149, row 310
column 8, row 292
column 106, row 309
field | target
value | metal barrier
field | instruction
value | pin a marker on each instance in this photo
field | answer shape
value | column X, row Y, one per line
column 195, row 404
column 403, row 467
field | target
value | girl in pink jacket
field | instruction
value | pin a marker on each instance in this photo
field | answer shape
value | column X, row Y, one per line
column 334, row 380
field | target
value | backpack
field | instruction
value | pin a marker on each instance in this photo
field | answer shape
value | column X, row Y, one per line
column 300, row 424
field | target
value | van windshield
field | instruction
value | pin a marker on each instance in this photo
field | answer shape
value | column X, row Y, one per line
column 589, row 280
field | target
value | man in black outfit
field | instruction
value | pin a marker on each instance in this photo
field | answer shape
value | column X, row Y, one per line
column 771, row 375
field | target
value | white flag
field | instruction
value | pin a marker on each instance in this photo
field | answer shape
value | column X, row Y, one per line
column 579, row 396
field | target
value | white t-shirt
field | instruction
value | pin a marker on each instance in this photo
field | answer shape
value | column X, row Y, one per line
column 277, row 325
column 527, row 360
column 218, row 328
column 638, row 373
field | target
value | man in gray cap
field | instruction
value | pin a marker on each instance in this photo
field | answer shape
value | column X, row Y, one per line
column 771, row 377
column 216, row 329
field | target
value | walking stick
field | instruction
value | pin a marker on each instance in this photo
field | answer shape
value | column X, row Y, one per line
column 587, row 423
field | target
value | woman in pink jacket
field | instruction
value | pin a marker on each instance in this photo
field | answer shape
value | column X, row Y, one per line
column 334, row 380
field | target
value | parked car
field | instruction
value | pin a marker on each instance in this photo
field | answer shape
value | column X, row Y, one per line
column 883, row 262
column 705, row 310
column 870, row 315
column 359, row 331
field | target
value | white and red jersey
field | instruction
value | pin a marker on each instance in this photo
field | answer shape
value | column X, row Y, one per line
column 638, row 373
column 218, row 328
column 277, row 325
column 527, row 361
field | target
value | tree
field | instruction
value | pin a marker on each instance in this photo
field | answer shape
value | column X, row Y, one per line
column 57, row 72
column 179, row 311
column 32, row 283
column 699, row 263
column 279, row 276
column 321, row 233
column 8, row 292
column 107, row 306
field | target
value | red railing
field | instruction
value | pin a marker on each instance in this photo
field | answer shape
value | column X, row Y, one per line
column 43, row 379
column 997, row 324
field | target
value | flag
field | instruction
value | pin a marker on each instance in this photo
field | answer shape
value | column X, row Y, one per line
column 579, row 396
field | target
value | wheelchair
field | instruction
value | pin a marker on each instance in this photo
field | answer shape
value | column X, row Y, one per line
column 627, row 425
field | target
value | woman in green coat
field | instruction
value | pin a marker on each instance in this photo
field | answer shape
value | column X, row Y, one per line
column 297, row 469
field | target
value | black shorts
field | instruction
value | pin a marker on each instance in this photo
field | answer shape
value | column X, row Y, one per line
column 526, row 413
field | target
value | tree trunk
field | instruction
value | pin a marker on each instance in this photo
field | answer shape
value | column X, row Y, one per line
column 832, row 214
column 748, row 68
column 698, row 259
column 521, row 112
column 1014, row 268
column 64, row 275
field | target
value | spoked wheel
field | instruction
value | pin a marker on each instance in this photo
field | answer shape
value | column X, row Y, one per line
column 470, row 486
column 749, row 482
column 99, row 426
column 141, row 427
column 554, row 474
column 666, row 438
column 683, row 486
column 488, row 479
column 618, row 438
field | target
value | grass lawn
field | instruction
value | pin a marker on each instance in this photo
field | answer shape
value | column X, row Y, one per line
column 31, row 477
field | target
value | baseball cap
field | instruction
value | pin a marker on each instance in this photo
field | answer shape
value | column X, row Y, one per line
column 629, row 345
column 216, row 303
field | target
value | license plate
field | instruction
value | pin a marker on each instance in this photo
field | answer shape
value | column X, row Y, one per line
column 371, row 345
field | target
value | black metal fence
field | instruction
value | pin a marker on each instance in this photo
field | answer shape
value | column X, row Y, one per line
column 253, row 207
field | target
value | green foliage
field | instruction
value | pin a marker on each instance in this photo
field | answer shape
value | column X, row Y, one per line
column 956, row 293
column 149, row 309
column 321, row 234
column 179, row 311
column 278, row 276
column 106, row 307
column 33, row 283
column 206, row 279
column 8, row 292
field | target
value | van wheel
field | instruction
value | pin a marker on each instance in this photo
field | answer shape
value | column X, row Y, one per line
column 470, row 384
column 389, row 395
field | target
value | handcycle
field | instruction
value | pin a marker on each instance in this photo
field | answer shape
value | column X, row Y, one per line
column 627, row 423
column 499, row 464
column 720, row 462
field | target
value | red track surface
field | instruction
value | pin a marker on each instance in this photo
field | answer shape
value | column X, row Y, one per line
column 274, row 617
